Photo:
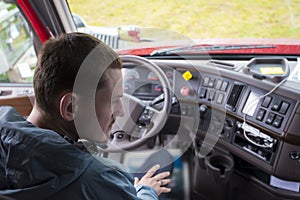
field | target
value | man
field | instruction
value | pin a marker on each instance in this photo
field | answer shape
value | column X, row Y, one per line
column 41, row 157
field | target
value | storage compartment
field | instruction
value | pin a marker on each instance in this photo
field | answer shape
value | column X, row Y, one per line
column 274, row 69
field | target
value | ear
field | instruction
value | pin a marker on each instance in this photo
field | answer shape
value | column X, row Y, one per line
column 66, row 106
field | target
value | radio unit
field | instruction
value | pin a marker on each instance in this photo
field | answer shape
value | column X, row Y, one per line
column 254, row 141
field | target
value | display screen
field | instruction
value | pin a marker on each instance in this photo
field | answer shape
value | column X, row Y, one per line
column 251, row 103
column 143, row 88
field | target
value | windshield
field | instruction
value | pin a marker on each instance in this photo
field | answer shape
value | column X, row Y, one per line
column 151, row 28
column 172, row 22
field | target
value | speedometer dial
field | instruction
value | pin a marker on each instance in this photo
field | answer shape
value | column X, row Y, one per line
column 131, row 74
column 152, row 76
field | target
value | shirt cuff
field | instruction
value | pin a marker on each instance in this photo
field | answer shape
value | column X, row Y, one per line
column 146, row 192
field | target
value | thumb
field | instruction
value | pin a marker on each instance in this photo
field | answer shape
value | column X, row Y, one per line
column 136, row 180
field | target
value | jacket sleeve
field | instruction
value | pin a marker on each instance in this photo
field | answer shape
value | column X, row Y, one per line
column 111, row 183
column 123, row 187
column 145, row 192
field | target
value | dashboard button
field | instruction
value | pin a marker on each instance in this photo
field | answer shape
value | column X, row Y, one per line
column 205, row 82
column 185, row 91
column 277, row 122
column 219, row 84
column 284, row 107
column 211, row 83
column 276, row 105
column 224, row 86
column 220, row 98
column 266, row 102
column 202, row 93
column 260, row 115
column 187, row 75
column 211, row 95
column 270, row 118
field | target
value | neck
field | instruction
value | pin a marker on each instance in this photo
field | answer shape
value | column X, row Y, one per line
column 55, row 123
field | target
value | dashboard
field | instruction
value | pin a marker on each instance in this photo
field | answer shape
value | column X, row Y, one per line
column 254, row 116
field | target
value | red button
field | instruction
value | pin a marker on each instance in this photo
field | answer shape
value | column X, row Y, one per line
column 185, row 91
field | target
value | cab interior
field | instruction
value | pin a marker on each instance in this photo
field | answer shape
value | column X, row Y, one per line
column 233, row 131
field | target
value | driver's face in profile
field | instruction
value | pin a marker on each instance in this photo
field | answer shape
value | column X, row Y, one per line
column 108, row 100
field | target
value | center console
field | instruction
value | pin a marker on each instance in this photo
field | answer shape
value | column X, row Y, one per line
column 256, row 121
column 260, row 135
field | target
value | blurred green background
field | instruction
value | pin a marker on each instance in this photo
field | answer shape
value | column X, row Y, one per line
column 198, row 18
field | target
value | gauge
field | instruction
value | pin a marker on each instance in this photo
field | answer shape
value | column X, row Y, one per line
column 158, row 88
column 152, row 76
column 131, row 74
column 127, row 88
column 169, row 74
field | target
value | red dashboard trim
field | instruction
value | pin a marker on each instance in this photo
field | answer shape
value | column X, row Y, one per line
column 281, row 49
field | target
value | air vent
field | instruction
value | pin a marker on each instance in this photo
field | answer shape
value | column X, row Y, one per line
column 221, row 64
column 234, row 96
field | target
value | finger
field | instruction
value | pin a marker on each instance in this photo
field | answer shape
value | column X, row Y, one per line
column 165, row 181
column 136, row 180
column 165, row 190
column 152, row 171
column 161, row 175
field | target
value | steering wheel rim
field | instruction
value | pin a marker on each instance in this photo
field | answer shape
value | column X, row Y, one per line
column 158, row 118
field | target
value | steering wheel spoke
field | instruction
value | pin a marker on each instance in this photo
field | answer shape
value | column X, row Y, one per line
column 146, row 116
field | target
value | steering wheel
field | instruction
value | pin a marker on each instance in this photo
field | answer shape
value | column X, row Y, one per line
column 141, row 120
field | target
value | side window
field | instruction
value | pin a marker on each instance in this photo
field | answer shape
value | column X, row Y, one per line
column 17, row 55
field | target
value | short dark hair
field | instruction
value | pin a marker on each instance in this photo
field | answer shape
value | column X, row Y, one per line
column 59, row 61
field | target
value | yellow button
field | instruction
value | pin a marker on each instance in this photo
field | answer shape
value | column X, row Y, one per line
column 187, row 75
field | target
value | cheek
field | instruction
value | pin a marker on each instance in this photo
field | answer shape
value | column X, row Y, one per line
column 104, row 114
column 118, row 109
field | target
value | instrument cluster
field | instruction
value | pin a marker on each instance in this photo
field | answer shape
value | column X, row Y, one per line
column 144, row 83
